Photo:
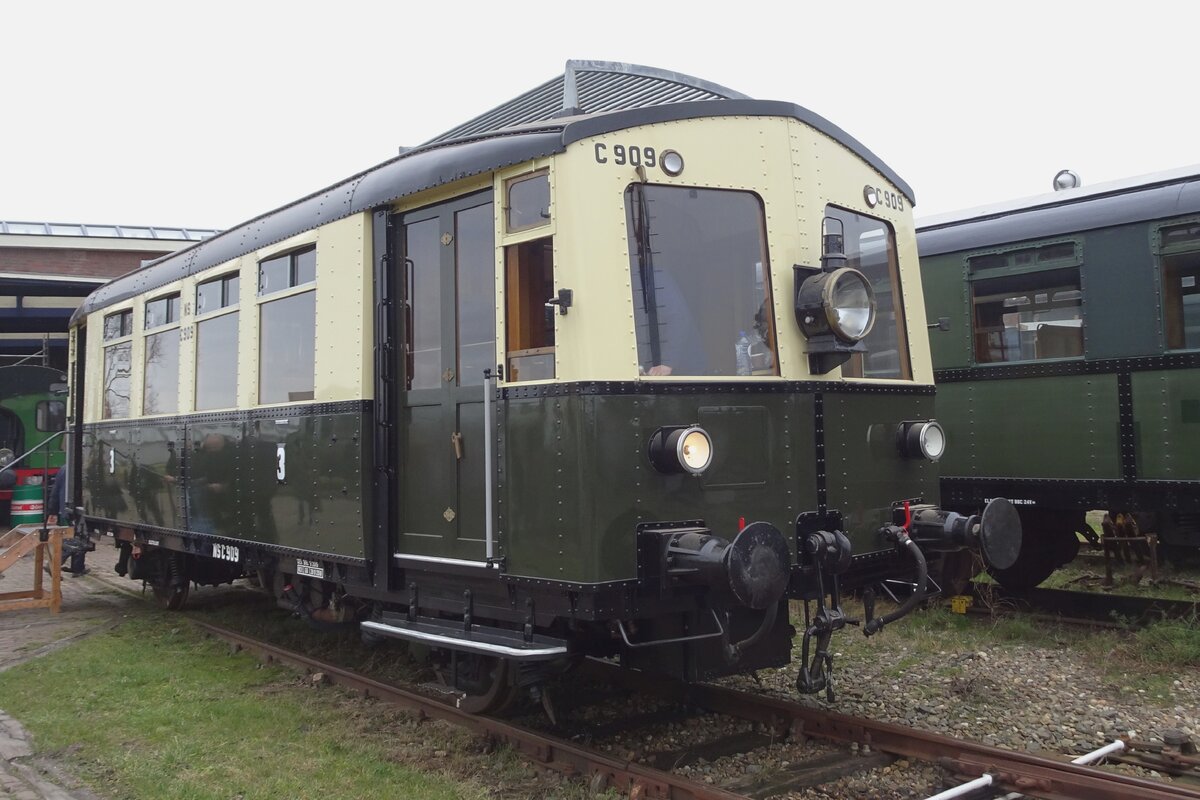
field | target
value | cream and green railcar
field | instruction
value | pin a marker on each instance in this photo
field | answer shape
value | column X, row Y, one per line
column 562, row 382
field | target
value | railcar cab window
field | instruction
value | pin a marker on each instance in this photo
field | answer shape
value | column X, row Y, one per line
column 1028, row 304
column 287, row 327
column 528, row 202
column 870, row 246
column 701, row 282
column 118, row 354
column 50, row 416
column 1179, row 246
column 217, row 342
column 529, row 281
column 160, row 378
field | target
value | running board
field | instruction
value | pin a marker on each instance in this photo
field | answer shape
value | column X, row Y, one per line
column 479, row 639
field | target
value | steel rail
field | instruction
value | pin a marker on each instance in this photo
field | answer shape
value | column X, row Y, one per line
column 1035, row 775
column 545, row 751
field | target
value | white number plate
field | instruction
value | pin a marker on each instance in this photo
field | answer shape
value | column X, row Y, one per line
column 226, row 552
column 311, row 569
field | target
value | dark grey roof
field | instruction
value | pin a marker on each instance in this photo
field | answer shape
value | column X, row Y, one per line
column 442, row 162
column 1148, row 197
column 592, row 87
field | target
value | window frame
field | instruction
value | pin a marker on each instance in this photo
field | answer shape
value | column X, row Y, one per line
column 903, row 340
column 262, row 299
column 148, row 333
column 293, row 286
column 515, row 180
column 125, row 338
column 1161, row 253
column 976, row 273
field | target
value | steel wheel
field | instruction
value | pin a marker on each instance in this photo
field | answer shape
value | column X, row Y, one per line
column 488, row 684
column 171, row 598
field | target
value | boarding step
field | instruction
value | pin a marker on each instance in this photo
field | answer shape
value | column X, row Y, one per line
column 480, row 639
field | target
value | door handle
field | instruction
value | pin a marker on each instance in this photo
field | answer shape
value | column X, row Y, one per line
column 456, row 441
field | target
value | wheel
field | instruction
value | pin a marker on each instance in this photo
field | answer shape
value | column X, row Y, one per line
column 171, row 598
column 171, row 585
column 488, row 684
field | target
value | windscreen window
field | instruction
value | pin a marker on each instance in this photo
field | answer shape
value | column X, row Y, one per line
column 701, row 282
column 870, row 246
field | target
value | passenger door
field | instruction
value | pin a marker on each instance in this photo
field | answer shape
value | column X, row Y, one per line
column 447, row 274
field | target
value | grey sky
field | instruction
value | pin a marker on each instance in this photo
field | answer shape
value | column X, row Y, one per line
column 208, row 114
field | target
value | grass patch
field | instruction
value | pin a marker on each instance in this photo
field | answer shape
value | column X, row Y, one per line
column 152, row 710
column 1169, row 644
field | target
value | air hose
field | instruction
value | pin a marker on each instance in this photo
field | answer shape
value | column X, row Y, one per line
column 913, row 600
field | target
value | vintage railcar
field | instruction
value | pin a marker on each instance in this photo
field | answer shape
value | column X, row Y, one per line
column 614, row 369
column 1069, row 371
column 33, row 409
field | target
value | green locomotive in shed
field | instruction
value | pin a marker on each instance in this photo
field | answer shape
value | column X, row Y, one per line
column 33, row 411
column 1068, row 369
column 613, row 370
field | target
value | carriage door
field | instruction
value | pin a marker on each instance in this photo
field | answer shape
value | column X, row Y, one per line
column 448, row 269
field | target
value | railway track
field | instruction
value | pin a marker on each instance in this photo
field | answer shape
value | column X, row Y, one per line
column 1092, row 608
column 774, row 720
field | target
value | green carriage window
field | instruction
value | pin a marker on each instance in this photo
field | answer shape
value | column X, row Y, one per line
column 1181, row 286
column 1028, row 317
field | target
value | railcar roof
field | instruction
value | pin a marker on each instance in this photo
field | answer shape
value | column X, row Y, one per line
column 529, row 131
column 1146, row 197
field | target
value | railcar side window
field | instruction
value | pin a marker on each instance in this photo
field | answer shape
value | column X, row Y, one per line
column 529, row 330
column 284, row 272
column 118, row 325
column 117, row 364
column 160, row 378
column 217, row 343
column 701, row 282
column 528, row 202
column 871, row 249
column 287, row 328
column 1180, row 245
column 1028, row 316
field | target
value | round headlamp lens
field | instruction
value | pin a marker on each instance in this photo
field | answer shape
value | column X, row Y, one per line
column 850, row 304
column 672, row 163
column 933, row 441
column 6, row 456
column 694, row 450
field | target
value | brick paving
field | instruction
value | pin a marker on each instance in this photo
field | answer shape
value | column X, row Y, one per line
column 89, row 604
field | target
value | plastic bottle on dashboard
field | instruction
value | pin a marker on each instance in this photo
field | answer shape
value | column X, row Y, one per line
column 742, row 351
